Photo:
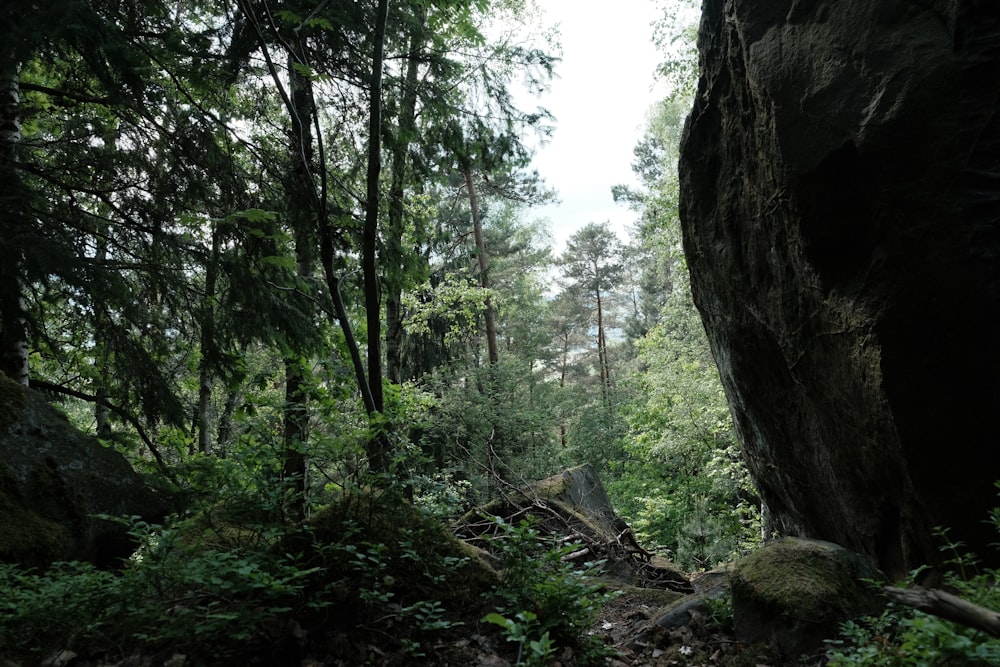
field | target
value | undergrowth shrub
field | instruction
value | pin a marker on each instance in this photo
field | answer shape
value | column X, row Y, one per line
column 167, row 597
column 904, row 637
column 545, row 602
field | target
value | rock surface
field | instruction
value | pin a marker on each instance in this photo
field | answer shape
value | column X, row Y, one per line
column 840, row 203
column 54, row 479
column 795, row 593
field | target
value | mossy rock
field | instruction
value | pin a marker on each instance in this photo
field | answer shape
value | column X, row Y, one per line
column 230, row 526
column 11, row 403
column 26, row 536
column 796, row 592
column 56, row 481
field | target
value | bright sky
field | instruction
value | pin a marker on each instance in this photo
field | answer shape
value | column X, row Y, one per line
column 600, row 98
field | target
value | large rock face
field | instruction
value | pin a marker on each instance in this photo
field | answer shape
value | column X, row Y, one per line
column 841, row 214
column 54, row 480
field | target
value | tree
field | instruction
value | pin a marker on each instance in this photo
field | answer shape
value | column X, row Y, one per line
column 592, row 262
column 100, row 181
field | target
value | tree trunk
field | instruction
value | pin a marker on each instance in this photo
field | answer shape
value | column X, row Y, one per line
column 484, row 267
column 13, row 327
column 378, row 455
column 102, row 413
column 208, row 348
column 947, row 606
column 302, row 212
column 602, row 350
column 395, row 261
column 226, row 422
column 296, row 425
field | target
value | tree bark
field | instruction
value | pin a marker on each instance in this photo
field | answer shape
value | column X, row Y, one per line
column 296, row 426
column 208, row 348
column 396, row 263
column 602, row 348
column 13, row 327
column 302, row 213
column 484, row 267
column 226, row 422
column 378, row 455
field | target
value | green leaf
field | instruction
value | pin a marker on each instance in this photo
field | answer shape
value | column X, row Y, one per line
column 254, row 215
column 288, row 17
column 304, row 71
column 497, row 619
column 320, row 22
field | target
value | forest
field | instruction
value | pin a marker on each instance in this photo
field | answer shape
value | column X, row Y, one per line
column 227, row 255
column 284, row 257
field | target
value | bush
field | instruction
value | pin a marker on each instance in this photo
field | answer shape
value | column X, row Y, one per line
column 167, row 597
column 902, row 636
column 544, row 601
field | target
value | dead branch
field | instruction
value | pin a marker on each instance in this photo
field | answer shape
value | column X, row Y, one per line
column 576, row 555
column 626, row 539
column 947, row 606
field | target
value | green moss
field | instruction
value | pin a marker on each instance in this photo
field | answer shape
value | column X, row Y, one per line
column 27, row 537
column 808, row 580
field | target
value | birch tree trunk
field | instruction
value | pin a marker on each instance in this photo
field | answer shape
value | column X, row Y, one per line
column 13, row 327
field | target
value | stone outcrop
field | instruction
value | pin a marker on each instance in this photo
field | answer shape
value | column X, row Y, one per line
column 840, row 202
column 55, row 480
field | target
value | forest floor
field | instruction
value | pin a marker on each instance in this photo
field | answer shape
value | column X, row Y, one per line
column 628, row 626
column 633, row 626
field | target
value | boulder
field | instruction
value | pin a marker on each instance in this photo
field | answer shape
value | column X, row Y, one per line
column 54, row 480
column 840, row 205
column 794, row 593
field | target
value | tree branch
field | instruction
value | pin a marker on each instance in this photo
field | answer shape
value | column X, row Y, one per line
column 121, row 412
column 67, row 94
column 947, row 606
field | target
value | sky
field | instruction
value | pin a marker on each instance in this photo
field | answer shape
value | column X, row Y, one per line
column 600, row 99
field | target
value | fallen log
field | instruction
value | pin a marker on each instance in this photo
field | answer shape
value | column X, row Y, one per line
column 947, row 606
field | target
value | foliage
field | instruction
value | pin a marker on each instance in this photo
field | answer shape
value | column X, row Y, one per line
column 675, row 35
column 903, row 636
column 214, row 587
column 490, row 422
column 684, row 484
column 544, row 601
column 189, row 600
column 719, row 612
column 681, row 480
